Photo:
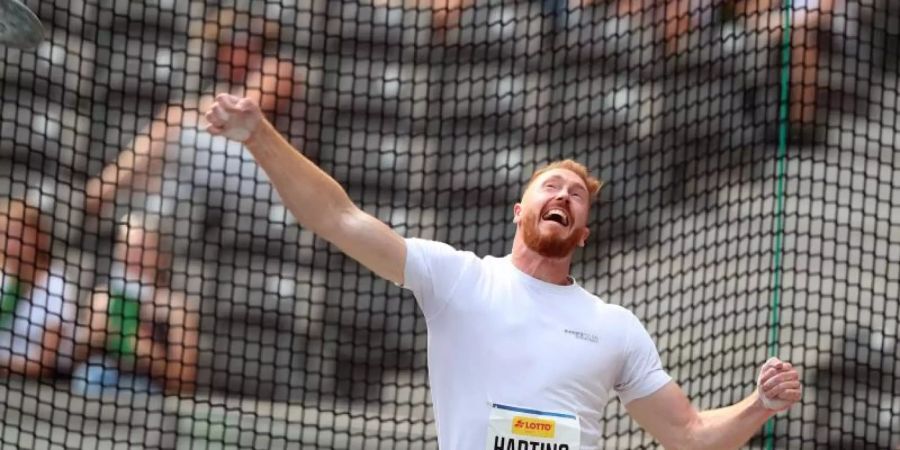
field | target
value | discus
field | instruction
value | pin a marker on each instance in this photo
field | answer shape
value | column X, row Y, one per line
column 19, row 27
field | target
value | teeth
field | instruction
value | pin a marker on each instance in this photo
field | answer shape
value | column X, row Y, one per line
column 562, row 214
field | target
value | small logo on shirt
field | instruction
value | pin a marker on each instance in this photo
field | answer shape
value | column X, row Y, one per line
column 592, row 338
column 529, row 426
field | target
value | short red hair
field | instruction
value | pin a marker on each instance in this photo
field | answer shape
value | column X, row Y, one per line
column 593, row 184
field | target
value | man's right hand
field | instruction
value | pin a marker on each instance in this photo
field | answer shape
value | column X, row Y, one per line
column 234, row 117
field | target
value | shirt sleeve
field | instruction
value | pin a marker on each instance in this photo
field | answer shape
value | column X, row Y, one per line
column 642, row 373
column 432, row 272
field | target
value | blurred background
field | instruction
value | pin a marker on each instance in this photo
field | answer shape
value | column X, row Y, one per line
column 433, row 113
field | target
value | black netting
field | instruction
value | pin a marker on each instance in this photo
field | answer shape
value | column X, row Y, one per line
column 185, row 308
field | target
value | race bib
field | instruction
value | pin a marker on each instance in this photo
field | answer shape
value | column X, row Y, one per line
column 511, row 428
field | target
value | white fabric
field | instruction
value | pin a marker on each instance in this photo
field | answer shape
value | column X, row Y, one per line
column 498, row 335
column 50, row 303
column 515, row 428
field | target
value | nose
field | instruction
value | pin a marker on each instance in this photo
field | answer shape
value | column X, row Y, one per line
column 563, row 194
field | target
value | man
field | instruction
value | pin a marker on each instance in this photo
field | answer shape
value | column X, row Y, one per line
column 520, row 356
column 147, row 327
column 172, row 162
column 445, row 14
column 38, row 307
column 808, row 20
column 174, row 169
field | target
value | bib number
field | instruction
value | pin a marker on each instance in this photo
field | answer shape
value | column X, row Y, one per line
column 511, row 428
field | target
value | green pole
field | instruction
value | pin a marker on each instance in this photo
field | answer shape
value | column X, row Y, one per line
column 783, row 128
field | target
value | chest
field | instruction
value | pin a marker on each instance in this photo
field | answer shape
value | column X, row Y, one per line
column 528, row 342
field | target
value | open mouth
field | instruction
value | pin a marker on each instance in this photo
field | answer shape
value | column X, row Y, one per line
column 557, row 215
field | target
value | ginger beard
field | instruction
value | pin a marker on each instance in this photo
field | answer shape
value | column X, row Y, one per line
column 551, row 244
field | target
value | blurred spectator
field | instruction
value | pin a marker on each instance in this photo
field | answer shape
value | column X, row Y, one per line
column 808, row 19
column 38, row 308
column 146, row 327
column 168, row 184
column 679, row 20
column 445, row 14
column 178, row 171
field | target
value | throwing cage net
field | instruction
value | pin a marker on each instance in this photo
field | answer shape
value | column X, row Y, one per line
column 752, row 207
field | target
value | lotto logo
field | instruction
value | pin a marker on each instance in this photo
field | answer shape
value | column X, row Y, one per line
column 529, row 426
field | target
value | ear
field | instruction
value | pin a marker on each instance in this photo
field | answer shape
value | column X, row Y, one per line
column 585, row 232
column 517, row 213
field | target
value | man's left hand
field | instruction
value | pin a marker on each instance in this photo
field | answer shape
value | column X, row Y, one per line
column 778, row 385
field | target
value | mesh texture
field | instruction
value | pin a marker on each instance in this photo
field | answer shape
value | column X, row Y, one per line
column 433, row 114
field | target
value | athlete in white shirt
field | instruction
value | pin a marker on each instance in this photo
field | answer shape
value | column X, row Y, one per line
column 502, row 340
column 520, row 356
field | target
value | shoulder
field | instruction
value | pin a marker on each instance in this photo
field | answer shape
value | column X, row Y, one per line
column 436, row 248
column 426, row 258
column 626, row 317
column 618, row 315
column 598, row 302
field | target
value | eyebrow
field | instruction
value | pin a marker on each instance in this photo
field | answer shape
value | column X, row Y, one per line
column 579, row 186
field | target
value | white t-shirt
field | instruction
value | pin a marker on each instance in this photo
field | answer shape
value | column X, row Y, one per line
column 499, row 336
column 49, row 303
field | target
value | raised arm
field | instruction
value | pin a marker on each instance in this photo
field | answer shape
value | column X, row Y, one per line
column 315, row 199
column 669, row 416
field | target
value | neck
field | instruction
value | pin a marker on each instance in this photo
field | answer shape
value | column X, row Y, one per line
column 550, row 270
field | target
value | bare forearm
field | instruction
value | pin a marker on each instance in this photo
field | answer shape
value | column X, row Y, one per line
column 314, row 198
column 729, row 427
column 669, row 416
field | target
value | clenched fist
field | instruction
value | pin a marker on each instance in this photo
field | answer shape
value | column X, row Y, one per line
column 779, row 385
column 233, row 117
